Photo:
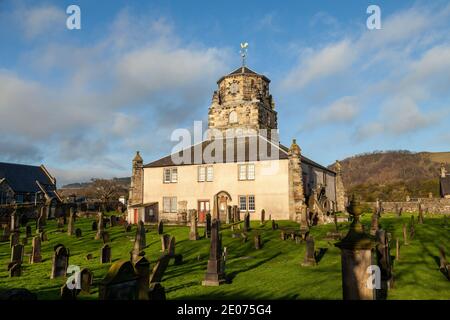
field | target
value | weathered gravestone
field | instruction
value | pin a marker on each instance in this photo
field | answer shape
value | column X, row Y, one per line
column 60, row 261
column 78, row 233
column 405, row 235
column 193, row 234
column 94, row 226
column 384, row 262
column 139, row 242
column 444, row 266
column 309, row 259
column 273, row 225
column 120, row 283
column 44, row 215
column 160, row 227
column 105, row 237
column 257, row 242
column 171, row 247
column 36, row 250
column 229, row 215
column 43, row 236
column 86, row 278
column 100, row 226
column 28, row 232
column 68, row 294
column 156, row 291
column 246, row 222
column 263, row 216
column 142, row 269
column 14, row 239
column 71, row 226
column 420, row 217
column 165, row 242
column 14, row 221
column 113, row 220
column 208, row 226
column 214, row 274
column 105, row 254
column 397, row 250
column 39, row 226
column 15, row 270
column 374, row 226
column 17, row 253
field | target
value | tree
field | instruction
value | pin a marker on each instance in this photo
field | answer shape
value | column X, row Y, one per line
column 105, row 190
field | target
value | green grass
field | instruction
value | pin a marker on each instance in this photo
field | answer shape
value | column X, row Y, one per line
column 274, row 272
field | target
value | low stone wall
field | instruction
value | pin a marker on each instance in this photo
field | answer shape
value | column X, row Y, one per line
column 429, row 205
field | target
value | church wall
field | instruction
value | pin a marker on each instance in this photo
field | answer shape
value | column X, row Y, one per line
column 270, row 189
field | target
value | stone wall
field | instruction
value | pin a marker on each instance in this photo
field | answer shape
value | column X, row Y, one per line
column 429, row 205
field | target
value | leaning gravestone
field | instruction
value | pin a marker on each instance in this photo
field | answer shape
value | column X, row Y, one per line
column 36, row 251
column 105, row 254
column 142, row 269
column 17, row 253
column 120, row 283
column 60, row 261
column 15, row 270
column 309, row 259
column 165, row 242
column 159, row 269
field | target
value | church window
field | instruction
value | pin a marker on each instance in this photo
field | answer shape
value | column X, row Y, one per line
column 170, row 204
column 232, row 118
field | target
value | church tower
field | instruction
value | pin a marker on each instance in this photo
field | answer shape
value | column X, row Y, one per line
column 243, row 101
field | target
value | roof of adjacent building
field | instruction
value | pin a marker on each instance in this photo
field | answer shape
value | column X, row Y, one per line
column 243, row 70
column 243, row 144
column 25, row 178
column 445, row 186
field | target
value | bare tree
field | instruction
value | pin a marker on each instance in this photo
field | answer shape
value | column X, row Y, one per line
column 105, row 190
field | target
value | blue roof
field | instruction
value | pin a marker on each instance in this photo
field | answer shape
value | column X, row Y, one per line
column 22, row 178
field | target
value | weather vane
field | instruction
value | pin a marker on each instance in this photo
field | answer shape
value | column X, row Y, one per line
column 244, row 46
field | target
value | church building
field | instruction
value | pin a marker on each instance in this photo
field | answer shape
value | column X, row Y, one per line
column 254, row 172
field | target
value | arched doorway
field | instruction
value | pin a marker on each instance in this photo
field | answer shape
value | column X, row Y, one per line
column 223, row 200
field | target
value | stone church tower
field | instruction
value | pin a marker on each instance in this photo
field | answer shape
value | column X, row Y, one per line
column 242, row 101
column 137, row 180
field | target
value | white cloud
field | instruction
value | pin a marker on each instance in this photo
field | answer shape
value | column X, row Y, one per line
column 342, row 110
column 39, row 20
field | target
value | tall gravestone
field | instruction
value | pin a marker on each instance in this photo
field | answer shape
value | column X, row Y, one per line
column 14, row 239
column 86, row 278
column 384, row 262
column 160, row 227
column 14, row 221
column 17, row 253
column 374, row 224
column 257, row 240
column 420, row 217
column 15, row 270
column 171, row 247
column 229, row 214
column 71, row 226
column 120, row 283
column 247, row 222
column 36, row 250
column 208, row 226
column 139, row 242
column 165, row 242
column 405, row 235
column 43, row 215
column 356, row 257
column 105, row 254
column 60, row 261
column 193, row 234
column 214, row 274
column 142, row 269
column 263, row 216
column 309, row 259
column 100, row 226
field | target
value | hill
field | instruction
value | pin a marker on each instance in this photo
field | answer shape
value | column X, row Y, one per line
column 392, row 175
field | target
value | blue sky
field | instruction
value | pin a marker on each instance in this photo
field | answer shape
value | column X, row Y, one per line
column 83, row 101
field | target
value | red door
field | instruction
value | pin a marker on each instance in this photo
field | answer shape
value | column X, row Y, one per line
column 136, row 216
column 203, row 209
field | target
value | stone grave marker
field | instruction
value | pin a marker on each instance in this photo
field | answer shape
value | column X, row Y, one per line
column 142, row 269
column 28, row 231
column 156, row 291
column 165, row 242
column 208, row 226
column 15, row 270
column 246, row 221
column 105, row 237
column 71, row 226
column 17, row 253
column 139, row 242
column 160, row 227
column 36, row 250
column 229, row 214
column 94, row 225
column 309, row 259
column 14, row 239
column 171, row 247
column 257, row 242
column 193, row 234
column 100, row 226
column 68, row 294
column 78, row 233
column 113, row 220
column 120, row 283
column 60, row 261
column 86, row 278
column 263, row 216
column 384, row 262
column 105, row 254
column 405, row 235
column 214, row 274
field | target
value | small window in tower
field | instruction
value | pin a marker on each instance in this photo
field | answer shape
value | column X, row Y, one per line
column 232, row 118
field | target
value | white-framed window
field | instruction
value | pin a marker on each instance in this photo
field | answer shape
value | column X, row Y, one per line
column 232, row 117
column 169, row 204
column 209, row 173
column 251, row 203
column 246, row 171
column 243, row 203
column 170, row 175
column 205, row 173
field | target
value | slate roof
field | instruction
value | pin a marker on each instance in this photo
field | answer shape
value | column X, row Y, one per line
column 445, row 186
column 22, row 178
column 265, row 155
column 243, row 70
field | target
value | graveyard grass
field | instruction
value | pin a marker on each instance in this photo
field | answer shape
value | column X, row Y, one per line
column 274, row 272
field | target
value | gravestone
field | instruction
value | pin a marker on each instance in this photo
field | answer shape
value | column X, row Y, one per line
column 113, row 220
column 86, row 278
column 397, row 250
column 246, row 222
column 17, row 253
column 156, row 291
column 71, row 226
column 39, row 226
column 60, row 261
column 309, row 259
column 273, row 225
column 208, row 226
column 283, row 235
column 160, row 227
column 43, row 215
column 139, row 242
column 214, row 275
column 94, row 225
column 171, row 247
column 257, row 242
column 14, row 239
column 28, row 231
column 165, row 242
column 193, row 234
column 105, row 254
column 15, row 270
column 36, row 250
column 263, row 216
column 142, row 269
column 420, row 217
column 68, row 294
column 444, row 266
column 229, row 215
column 224, row 259
column 405, row 235
column 43, row 236
column 100, row 226
column 374, row 224
column 384, row 262
column 105, row 237
column 14, row 221
column 120, row 283
column 78, row 233
column 412, row 229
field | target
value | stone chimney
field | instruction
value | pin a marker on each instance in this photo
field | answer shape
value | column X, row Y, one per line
column 297, row 207
column 340, row 190
column 443, row 171
column 137, row 180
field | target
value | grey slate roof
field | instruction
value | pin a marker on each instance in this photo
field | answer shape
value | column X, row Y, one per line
column 445, row 186
column 22, row 178
column 281, row 149
column 243, row 70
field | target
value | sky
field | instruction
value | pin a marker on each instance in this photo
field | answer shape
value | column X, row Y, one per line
column 82, row 102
